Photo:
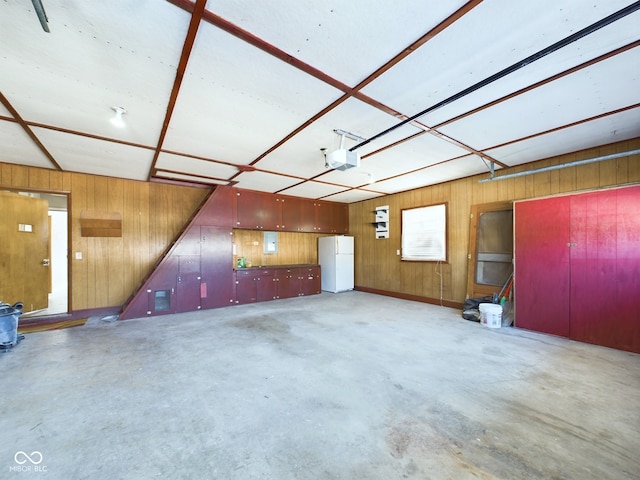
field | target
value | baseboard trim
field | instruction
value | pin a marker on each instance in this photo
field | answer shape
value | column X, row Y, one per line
column 406, row 296
column 75, row 315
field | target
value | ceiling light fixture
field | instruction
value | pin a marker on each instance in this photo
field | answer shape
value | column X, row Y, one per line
column 118, row 121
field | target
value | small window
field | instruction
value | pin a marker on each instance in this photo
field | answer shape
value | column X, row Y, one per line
column 424, row 233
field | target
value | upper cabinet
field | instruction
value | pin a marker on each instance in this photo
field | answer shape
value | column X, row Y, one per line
column 267, row 211
column 257, row 210
column 332, row 217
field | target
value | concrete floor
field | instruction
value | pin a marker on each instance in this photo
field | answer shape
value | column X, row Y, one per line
column 334, row 386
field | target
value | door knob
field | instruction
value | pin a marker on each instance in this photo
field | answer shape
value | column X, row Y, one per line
column 46, row 262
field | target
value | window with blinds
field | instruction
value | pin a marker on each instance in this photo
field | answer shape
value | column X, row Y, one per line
column 424, row 233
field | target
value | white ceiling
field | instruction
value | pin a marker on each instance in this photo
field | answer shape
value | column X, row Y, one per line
column 247, row 92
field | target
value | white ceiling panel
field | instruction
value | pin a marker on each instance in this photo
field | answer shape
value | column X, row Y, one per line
column 347, row 40
column 189, row 165
column 302, row 155
column 98, row 157
column 461, row 167
column 352, row 177
column 97, row 55
column 610, row 129
column 313, row 190
column 249, row 105
column 589, row 92
column 351, row 196
column 264, row 182
column 17, row 147
column 417, row 153
column 493, row 36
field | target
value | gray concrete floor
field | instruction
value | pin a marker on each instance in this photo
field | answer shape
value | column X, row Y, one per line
column 334, row 386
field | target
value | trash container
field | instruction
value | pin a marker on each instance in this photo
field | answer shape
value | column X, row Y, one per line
column 9, row 325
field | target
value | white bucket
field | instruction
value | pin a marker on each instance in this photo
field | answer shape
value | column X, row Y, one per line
column 491, row 315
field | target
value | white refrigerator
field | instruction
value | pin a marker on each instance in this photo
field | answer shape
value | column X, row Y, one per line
column 335, row 255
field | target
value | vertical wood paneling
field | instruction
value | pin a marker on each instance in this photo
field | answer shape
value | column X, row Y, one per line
column 111, row 268
column 293, row 248
column 19, row 176
column 378, row 266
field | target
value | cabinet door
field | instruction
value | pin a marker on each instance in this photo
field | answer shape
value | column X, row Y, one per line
column 323, row 217
column 307, row 220
column 246, row 290
column 161, row 289
column 266, row 285
column 216, row 267
column 542, row 255
column 258, row 210
column 288, row 282
column 310, row 281
column 291, row 214
column 340, row 218
column 188, row 283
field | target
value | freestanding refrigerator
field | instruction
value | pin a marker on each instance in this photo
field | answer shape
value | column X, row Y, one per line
column 335, row 255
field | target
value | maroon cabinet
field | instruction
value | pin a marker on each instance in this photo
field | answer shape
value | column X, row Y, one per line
column 258, row 210
column 288, row 282
column 216, row 250
column 310, row 283
column 332, row 217
column 577, row 266
column 298, row 214
column 264, row 284
column 266, row 211
column 188, row 283
column 246, row 287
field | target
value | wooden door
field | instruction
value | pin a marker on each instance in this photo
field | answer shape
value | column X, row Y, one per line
column 25, row 274
column 542, row 271
column 490, row 248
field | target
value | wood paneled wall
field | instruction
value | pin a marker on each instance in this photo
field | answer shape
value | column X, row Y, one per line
column 293, row 248
column 378, row 267
column 111, row 268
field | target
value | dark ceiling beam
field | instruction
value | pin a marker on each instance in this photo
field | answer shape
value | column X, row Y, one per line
column 194, row 24
column 28, row 130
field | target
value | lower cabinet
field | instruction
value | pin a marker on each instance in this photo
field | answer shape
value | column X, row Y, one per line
column 264, row 284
